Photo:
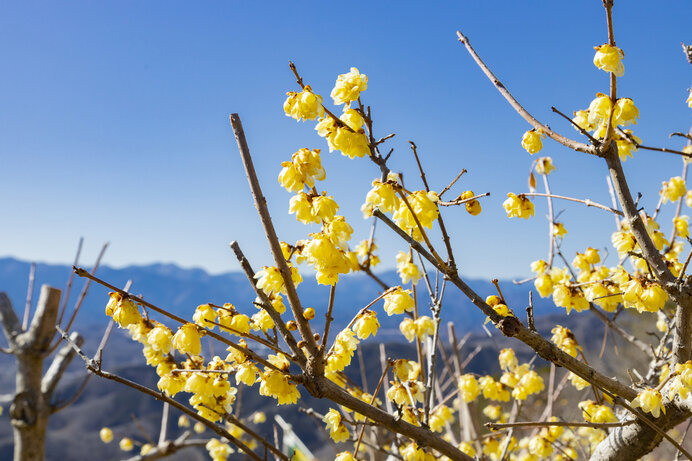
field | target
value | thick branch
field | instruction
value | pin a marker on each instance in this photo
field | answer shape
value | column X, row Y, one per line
column 10, row 322
column 42, row 326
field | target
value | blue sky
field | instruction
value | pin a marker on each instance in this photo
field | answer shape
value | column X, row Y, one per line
column 114, row 118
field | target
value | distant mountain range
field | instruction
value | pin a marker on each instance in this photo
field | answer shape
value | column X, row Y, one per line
column 181, row 290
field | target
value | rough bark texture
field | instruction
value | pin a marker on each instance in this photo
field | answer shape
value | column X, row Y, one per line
column 31, row 406
column 636, row 440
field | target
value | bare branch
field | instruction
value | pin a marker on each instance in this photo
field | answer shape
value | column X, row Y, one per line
column 282, row 266
column 578, row 146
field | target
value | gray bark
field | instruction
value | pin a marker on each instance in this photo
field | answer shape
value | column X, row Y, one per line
column 31, row 406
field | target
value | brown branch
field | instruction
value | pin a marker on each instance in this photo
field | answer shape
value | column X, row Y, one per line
column 461, row 202
column 496, row 426
column 267, row 305
column 449, row 186
column 83, row 294
column 578, row 146
column 314, row 365
column 250, row 353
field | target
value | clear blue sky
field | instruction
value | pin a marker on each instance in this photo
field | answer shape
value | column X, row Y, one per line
column 114, row 117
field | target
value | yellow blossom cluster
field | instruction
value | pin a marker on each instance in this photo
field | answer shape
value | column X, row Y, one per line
column 419, row 208
column 565, row 340
column 303, row 170
column 337, row 430
column 673, row 189
column 518, row 206
column 473, row 207
column 419, row 328
column 218, row 450
column 595, row 413
column 601, row 112
column 650, row 401
column 305, row 105
column 406, row 269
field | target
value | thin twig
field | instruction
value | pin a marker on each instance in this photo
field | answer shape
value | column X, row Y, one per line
column 586, row 202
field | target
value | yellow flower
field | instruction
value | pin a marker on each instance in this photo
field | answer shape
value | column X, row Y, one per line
column 578, row 382
column 544, row 285
column 366, row 324
column 304, row 169
column 529, row 384
column 186, row 339
column 518, row 206
column 559, row 230
column 276, row 385
column 438, row 418
column 539, row 446
column 326, row 258
column 424, row 205
column 673, row 189
column 337, row 431
column 531, row 141
column 609, row 58
column 581, row 119
column 146, row 449
column 684, row 370
column 123, row 310
column 599, row 110
column 218, row 451
column 649, row 400
column 468, row 387
column 338, row 231
column 324, row 207
column 493, row 390
column 398, row 301
column 623, row 242
column 473, row 207
column 508, row 359
column 106, row 435
column 625, row 112
column 351, row 143
column 544, row 165
column 270, row 281
column 126, row 444
column 304, row 105
column 262, row 321
column 348, row 86
column 345, row 456
column 199, row 427
column 160, row 338
column 594, row 413
column 246, row 373
column 689, row 100
column 382, row 196
column 493, row 411
column 407, row 270
column 467, row 449
column 625, row 145
column 204, row 314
